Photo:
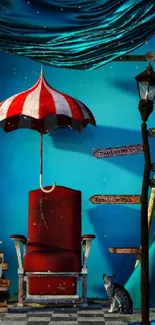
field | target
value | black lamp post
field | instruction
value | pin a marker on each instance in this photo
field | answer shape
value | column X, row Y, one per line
column 146, row 87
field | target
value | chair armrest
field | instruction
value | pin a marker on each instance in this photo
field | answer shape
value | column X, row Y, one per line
column 20, row 238
column 17, row 240
column 85, row 237
column 86, row 241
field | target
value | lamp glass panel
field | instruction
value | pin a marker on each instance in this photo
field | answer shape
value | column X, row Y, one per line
column 151, row 93
column 143, row 89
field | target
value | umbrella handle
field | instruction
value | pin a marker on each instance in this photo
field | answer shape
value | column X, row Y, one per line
column 46, row 191
column 41, row 167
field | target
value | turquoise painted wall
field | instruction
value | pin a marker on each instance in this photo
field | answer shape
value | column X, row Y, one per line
column 111, row 93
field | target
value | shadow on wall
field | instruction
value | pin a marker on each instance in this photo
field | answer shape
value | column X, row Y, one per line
column 116, row 231
column 127, row 87
column 90, row 139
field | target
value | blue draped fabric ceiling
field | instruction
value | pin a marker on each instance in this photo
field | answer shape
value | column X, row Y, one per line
column 77, row 34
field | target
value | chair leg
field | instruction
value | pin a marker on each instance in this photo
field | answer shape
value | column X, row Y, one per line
column 20, row 290
column 84, row 291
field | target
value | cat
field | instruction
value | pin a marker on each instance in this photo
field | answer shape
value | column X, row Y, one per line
column 121, row 300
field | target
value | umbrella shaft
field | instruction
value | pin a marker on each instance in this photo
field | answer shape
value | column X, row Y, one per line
column 41, row 153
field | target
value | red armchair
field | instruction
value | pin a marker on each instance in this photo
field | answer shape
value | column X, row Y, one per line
column 52, row 263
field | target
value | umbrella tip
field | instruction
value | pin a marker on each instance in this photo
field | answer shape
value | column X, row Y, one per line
column 42, row 68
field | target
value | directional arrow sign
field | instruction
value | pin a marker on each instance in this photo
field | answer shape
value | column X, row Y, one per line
column 115, row 199
column 152, row 132
column 127, row 250
column 118, row 151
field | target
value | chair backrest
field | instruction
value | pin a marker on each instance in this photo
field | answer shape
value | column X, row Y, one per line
column 54, row 220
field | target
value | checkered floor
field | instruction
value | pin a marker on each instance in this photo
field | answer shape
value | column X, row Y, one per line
column 64, row 316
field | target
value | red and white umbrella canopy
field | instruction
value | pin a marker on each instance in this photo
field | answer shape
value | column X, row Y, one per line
column 43, row 108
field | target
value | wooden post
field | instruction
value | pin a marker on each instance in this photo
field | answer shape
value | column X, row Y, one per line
column 144, row 228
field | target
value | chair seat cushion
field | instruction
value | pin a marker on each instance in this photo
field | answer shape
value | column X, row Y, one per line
column 44, row 261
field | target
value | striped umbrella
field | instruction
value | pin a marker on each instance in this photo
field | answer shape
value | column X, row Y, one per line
column 42, row 108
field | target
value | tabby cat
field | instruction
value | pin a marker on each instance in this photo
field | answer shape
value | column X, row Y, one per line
column 121, row 300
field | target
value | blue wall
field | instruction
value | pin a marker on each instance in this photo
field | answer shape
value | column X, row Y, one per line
column 111, row 93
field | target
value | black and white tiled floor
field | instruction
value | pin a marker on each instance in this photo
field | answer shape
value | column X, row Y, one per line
column 74, row 316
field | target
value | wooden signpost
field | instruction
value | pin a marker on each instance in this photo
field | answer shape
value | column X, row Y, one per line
column 115, row 199
column 118, row 151
column 134, row 58
column 127, row 250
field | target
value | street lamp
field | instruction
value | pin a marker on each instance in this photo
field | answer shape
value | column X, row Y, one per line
column 146, row 87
